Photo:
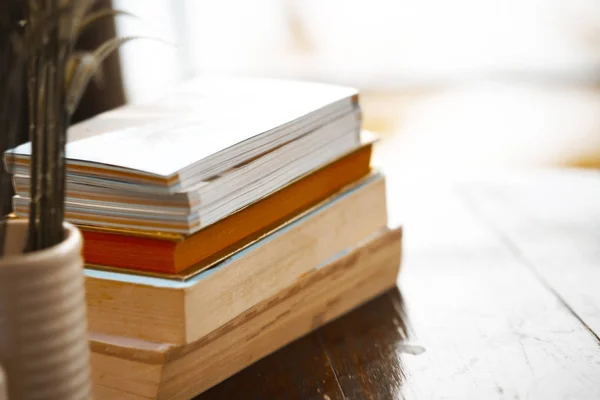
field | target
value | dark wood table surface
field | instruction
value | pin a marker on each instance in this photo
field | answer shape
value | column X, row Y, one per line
column 498, row 298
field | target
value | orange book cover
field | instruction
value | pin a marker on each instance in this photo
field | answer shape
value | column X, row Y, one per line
column 172, row 253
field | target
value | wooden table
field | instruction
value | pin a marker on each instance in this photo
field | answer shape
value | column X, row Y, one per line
column 499, row 298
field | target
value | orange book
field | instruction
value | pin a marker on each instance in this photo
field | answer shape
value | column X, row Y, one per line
column 172, row 253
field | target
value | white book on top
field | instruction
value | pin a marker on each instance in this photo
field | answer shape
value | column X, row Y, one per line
column 200, row 129
column 205, row 150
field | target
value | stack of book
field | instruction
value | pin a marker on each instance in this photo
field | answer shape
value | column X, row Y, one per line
column 220, row 222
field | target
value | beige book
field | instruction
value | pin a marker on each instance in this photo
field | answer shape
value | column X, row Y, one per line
column 165, row 310
column 133, row 369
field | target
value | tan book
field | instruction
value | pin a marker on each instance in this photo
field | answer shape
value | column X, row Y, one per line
column 165, row 310
column 133, row 369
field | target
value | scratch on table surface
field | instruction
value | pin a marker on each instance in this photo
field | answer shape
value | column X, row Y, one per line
column 475, row 208
column 526, row 356
column 328, row 358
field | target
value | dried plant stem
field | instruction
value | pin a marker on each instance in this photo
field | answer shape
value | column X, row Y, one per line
column 66, row 48
column 35, row 164
column 4, row 142
column 11, row 12
column 46, row 201
column 47, row 131
column 11, row 123
column 61, row 172
column 47, row 46
column 39, row 150
column 52, row 109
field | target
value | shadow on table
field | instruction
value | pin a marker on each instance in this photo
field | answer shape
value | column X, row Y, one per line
column 356, row 356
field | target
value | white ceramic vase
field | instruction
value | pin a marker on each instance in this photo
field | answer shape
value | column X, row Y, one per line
column 44, row 349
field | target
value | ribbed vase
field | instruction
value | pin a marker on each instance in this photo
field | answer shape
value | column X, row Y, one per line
column 43, row 326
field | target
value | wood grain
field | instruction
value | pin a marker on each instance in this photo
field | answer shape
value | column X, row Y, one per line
column 490, row 327
column 551, row 222
column 355, row 350
column 366, row 348
column 303, row 372
column 140, row 368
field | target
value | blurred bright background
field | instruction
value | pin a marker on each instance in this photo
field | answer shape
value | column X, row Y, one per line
column 456, row 89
